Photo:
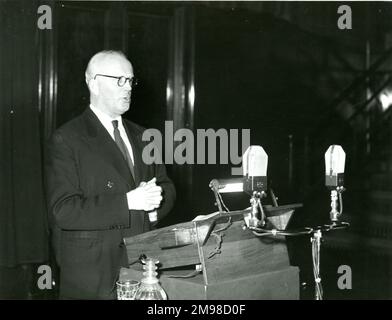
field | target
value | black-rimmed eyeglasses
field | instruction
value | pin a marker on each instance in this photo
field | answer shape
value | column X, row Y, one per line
column 121, row 81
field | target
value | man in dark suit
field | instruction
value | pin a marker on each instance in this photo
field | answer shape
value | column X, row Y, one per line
column 99, row 189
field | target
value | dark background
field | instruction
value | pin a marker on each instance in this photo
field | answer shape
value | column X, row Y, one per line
column 283, row 70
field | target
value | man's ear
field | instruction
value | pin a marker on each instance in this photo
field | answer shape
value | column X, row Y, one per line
column 93, row 86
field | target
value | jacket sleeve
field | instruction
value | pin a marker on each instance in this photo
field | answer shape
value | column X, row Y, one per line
column 69, row 207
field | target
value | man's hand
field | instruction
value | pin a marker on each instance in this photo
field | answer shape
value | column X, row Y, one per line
column 147, row 196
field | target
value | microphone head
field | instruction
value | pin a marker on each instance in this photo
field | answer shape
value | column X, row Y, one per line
column 335, row 159
column 255, row 162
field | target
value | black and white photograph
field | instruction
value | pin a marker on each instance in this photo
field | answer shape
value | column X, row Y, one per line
column 213, row 151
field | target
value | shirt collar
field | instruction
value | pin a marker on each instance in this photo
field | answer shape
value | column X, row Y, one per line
column 105, row 119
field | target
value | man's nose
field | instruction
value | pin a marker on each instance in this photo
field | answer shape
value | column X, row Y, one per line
column 128, row 84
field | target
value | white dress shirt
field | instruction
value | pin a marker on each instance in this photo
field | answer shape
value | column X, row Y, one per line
column 107, row 123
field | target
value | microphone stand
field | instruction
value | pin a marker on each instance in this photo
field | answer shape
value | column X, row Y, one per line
column 213, row 186
column 316, row 244
column 335, row 214
column 316, row 232
column 317, row 235
column 252, row 220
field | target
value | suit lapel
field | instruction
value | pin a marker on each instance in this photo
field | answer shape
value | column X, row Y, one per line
column 103, row 144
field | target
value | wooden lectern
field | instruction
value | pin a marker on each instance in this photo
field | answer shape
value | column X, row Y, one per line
column 219, row 258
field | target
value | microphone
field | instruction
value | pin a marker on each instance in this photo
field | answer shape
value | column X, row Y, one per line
column 253, row 182
column 254, row 167
column 335, row 159
column 255, row 162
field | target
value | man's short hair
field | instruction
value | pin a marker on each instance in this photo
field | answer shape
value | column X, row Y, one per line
column 98, row 57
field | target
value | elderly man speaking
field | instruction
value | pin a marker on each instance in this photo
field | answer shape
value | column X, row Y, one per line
column 99, row 190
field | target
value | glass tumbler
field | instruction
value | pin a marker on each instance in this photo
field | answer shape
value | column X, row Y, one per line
column 126, row 289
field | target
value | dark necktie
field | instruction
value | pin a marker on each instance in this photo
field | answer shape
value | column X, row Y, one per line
column 121, row 145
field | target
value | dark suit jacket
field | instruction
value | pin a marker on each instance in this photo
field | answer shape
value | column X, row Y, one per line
column 87, row 180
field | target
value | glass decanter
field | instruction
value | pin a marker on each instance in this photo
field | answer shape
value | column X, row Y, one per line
column 150, row 289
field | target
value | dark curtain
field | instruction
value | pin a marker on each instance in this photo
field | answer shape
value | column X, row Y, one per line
column 23, row 228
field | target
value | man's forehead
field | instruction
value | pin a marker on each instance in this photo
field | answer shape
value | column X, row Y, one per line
column 114, row 65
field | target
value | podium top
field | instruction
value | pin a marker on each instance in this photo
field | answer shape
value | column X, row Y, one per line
column 182, row 244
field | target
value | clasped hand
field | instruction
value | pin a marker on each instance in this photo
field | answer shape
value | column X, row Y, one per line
column 147, row 196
